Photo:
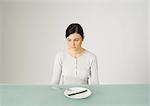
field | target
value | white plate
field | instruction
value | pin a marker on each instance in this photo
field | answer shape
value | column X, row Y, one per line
column 76, row 90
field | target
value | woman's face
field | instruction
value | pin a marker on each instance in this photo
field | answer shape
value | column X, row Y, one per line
column 74, row 41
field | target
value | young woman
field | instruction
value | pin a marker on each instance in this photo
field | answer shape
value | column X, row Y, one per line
column 75, row 65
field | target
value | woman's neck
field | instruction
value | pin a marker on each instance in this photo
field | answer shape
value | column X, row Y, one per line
column 77, row 52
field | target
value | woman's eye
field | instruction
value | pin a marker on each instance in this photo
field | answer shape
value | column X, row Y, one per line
column 76, row 39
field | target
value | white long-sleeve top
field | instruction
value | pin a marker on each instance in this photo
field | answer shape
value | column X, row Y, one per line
column 69, row 70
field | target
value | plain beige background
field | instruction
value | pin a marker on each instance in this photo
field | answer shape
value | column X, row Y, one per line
column 32, row 32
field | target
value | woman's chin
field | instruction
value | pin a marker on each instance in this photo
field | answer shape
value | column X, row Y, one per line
column 73, row 48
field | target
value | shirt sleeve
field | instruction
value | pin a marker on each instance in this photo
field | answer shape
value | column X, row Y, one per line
column 57, row 70
column 93, row 79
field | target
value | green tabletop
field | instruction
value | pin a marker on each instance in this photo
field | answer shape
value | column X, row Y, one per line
column 102, row 95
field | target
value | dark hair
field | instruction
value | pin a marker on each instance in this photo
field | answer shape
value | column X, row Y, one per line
column 74, row 28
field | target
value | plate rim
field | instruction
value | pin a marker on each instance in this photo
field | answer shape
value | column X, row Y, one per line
column 90, row 93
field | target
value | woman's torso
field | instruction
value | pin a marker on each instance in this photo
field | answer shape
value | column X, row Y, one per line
column 75, row 70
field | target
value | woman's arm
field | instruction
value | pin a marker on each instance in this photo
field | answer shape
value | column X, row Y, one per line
column 94, row 80
column 57, row 70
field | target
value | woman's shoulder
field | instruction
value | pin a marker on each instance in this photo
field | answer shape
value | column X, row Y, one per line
column 91, row 54
column 60, row 53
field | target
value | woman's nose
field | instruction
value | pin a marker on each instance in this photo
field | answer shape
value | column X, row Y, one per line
column 72, row 43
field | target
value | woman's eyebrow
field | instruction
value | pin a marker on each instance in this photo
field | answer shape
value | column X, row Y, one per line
column 73, row 39
column 68, row 39
column 77, row 38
